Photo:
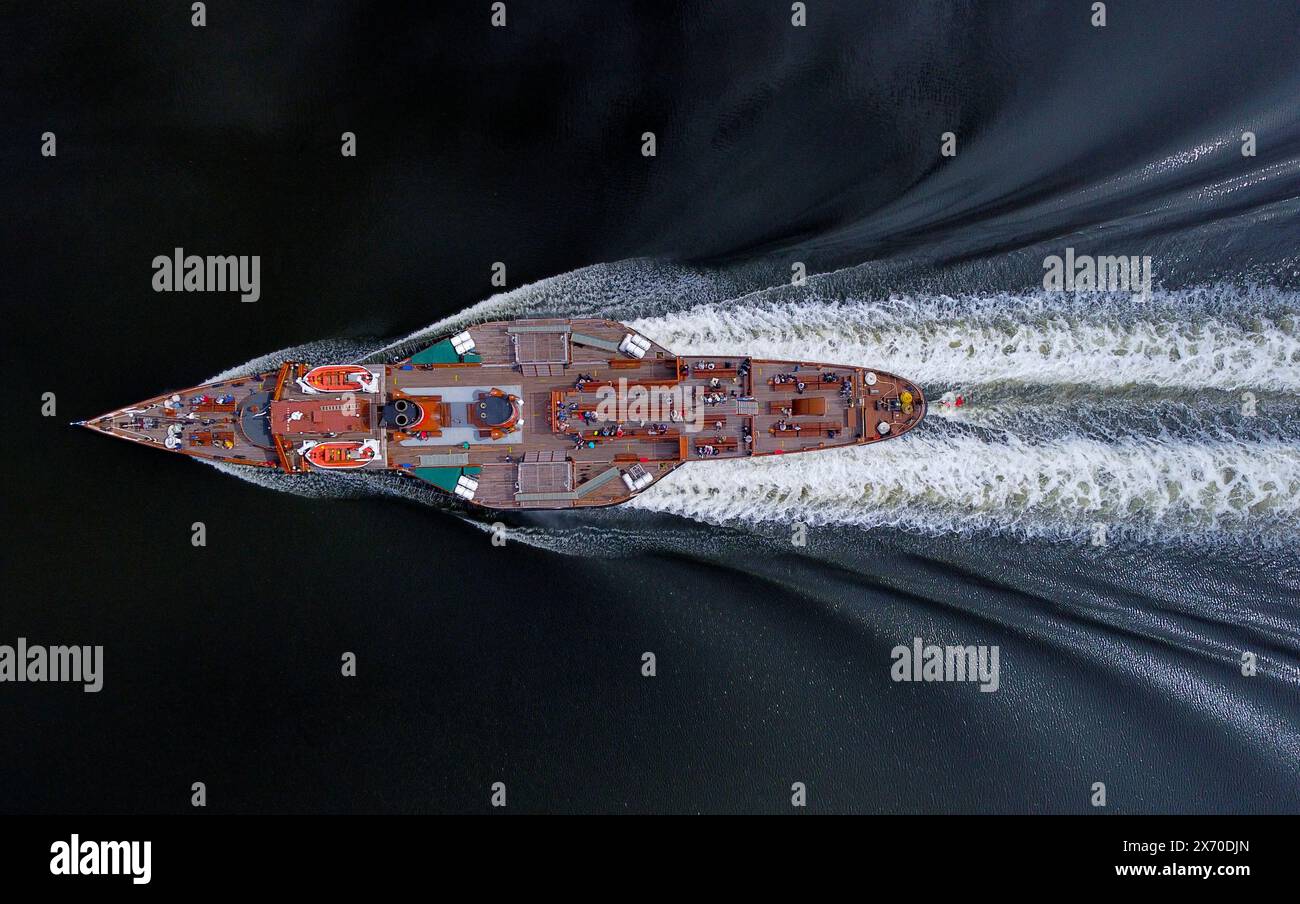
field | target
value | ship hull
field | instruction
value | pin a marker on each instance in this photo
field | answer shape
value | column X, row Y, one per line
column 540, row 414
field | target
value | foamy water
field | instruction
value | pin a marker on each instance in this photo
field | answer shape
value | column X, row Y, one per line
column 1144, row 488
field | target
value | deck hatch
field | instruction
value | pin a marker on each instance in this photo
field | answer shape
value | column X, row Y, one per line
column 545, row 477
column 541, row 347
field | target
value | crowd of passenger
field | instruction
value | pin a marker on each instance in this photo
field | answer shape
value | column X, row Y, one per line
column 793, row 378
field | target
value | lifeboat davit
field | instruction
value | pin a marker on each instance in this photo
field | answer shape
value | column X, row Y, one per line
column 339, row 378
column 339, row 456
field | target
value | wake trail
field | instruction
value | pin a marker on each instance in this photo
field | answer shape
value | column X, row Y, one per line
column 957, row 484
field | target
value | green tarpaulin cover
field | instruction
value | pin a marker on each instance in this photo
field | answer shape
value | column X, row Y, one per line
column 443, row 353
column 444, row 478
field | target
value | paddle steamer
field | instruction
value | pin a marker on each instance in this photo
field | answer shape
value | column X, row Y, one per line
column 529, row 414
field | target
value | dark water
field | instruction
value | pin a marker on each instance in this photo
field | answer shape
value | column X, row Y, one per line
column 1172, row 422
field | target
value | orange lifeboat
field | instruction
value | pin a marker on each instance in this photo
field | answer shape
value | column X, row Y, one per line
column 339, row 378
column 339, row 456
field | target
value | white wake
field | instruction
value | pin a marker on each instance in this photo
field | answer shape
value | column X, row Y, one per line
column 958, row 483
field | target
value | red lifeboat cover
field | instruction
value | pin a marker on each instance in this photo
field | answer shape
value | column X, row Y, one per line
column 334, row 456
column 339, row 378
